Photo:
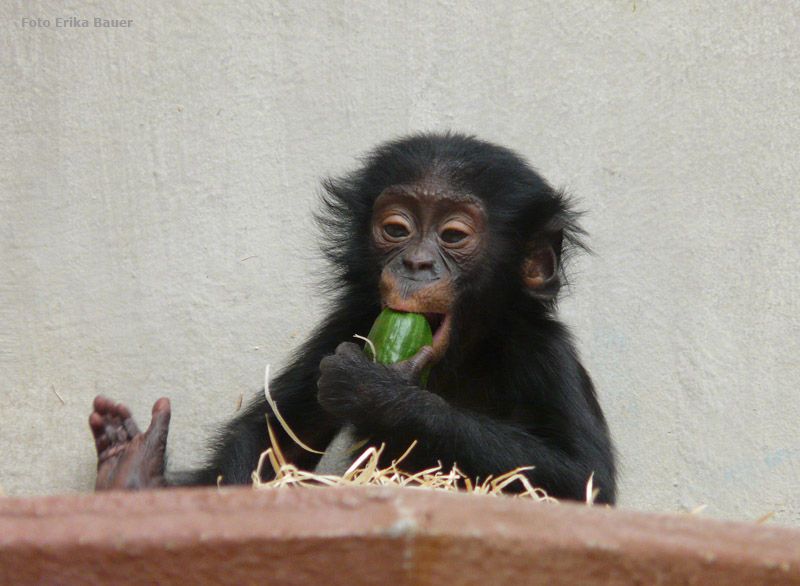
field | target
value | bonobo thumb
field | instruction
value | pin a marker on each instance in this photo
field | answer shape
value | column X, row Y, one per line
column 419, row 361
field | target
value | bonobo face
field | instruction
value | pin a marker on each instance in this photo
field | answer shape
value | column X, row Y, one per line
column 427, row 236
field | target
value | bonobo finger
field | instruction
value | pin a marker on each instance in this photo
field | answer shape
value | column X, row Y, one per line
column 420, row 360
column 327, row 363
column 348, row 348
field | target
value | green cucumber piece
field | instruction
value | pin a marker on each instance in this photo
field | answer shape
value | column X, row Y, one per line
column 397, row 336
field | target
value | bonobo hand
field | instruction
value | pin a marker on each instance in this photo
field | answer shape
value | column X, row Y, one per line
column 354, row 388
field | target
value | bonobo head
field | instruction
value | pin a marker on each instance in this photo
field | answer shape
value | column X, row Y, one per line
column 428, row 237
column 451, row 227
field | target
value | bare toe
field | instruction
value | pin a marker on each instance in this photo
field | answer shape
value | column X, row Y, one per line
column 161, row 412
column 102, row 404
column 96, row 424
column 112, row 425
column 127, row 458
column 159, row 424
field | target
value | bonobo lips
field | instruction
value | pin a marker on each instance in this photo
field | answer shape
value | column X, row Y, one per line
column 434, row 320
column 440, row 326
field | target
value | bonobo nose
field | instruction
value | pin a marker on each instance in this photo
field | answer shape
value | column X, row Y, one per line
column 418, row 259
column 418, row 264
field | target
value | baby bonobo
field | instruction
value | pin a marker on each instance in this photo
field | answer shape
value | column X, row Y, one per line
column 465, row 233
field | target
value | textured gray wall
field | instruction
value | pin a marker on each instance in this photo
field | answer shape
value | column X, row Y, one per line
column 156, row 184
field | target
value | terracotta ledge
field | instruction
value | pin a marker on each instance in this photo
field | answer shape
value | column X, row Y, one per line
column 372, row 536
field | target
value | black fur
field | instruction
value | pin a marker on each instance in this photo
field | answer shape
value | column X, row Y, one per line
column 515, row 395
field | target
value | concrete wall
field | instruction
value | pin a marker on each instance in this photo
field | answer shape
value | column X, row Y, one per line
column 156, row 184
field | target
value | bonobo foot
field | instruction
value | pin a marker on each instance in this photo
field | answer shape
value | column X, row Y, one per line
column 127, row 458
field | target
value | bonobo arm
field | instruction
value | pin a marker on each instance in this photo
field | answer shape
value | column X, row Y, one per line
column 387, row 403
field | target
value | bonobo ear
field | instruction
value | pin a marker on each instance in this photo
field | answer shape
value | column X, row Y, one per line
column 540, row 266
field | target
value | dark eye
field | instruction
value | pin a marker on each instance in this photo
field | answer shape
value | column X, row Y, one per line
column 452, row 236
column 395, row 230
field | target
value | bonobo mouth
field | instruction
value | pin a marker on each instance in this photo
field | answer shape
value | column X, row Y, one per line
column 440, row 327
column 437, row 323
